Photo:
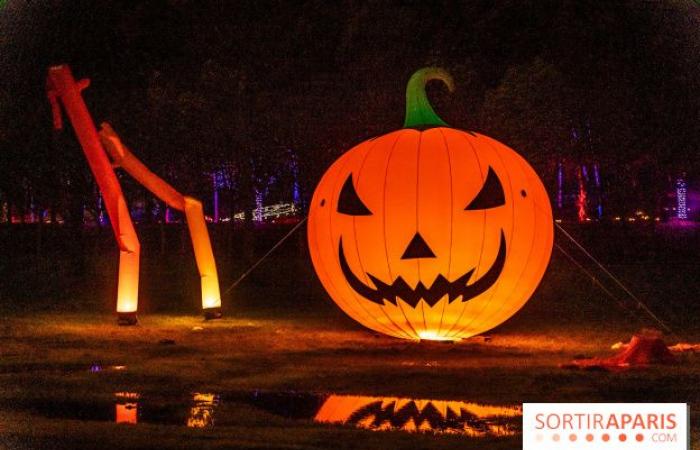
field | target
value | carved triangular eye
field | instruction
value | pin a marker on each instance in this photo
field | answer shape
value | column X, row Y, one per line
column 491, row 194
column 349, row 202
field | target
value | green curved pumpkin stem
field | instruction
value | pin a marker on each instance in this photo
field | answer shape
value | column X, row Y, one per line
column 419, row 113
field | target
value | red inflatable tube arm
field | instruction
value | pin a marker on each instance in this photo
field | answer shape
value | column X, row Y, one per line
column 62, row 87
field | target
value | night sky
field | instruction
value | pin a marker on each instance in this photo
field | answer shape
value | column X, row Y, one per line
column 196, row 85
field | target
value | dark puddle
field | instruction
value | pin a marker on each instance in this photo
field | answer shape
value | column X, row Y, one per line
column 201, row 410
column 60, row 368
column 195, row 411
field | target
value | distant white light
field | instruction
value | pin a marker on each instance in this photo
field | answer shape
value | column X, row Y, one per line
column 269, row 212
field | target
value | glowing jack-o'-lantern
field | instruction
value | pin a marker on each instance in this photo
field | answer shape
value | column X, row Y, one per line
column 430, row 232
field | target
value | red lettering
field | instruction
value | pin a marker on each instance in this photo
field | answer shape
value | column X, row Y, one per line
column 598, row 421
column 652, row 421
column 556, row 421
column 612, row 422
column 638, row 422
column 566, row 425
column 540, row 423
column 671, row 421
column 626, row 419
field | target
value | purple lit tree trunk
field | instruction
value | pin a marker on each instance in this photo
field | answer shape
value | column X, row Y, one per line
column 581, row 199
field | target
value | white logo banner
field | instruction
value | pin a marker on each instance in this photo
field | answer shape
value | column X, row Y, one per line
column 612, row 426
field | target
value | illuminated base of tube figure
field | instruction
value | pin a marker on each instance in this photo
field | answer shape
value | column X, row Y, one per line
column 212, row 313
column 127, row 319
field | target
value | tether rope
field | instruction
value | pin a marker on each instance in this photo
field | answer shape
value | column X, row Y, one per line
column 615, row 279
column 596, row 281
column 268, row 253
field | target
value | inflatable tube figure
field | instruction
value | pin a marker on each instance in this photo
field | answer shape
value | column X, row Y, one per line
column 61, row 86
column 203, row 254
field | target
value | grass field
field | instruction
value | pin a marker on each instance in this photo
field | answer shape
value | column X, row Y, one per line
column 68, row 373
column 47, row 360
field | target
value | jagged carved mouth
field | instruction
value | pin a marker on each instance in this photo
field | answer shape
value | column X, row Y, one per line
column 440, row 287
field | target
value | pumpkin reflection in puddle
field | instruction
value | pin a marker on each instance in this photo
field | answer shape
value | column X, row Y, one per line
column 438, row 416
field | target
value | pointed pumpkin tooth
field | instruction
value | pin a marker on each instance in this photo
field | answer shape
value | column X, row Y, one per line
column 464, row 279
column 380, row 285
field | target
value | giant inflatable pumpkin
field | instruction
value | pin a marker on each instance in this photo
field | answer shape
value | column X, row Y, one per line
column 430, row 232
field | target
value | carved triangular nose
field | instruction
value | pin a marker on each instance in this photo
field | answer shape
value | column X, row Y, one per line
column 417, row 248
